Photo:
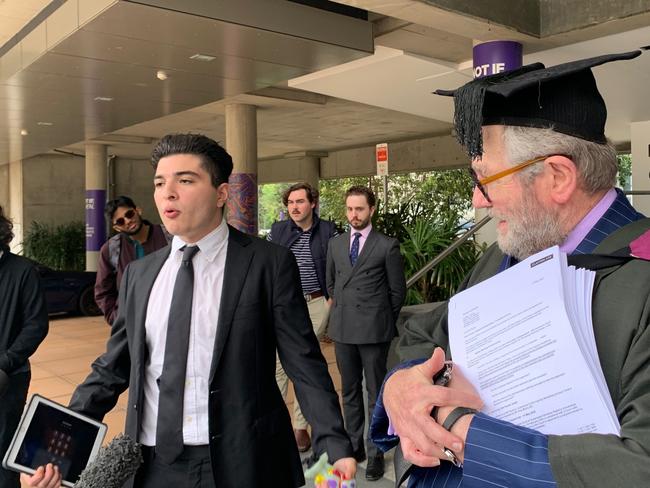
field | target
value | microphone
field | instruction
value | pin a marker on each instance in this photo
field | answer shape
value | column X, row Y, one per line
column 115, row 463
column 4, row 383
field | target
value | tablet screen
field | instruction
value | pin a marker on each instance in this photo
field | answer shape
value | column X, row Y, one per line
column 50, row 433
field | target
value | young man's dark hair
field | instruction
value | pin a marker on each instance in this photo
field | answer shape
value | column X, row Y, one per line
column 6, row 226
column 112, row 205
column 362, row 190
column 214, row 158
column 312, row 193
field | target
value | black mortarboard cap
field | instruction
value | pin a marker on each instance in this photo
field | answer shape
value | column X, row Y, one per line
column 563, row 97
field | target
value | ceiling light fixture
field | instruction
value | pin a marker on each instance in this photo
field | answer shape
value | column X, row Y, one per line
column 103, row 99
column 47, row 124
column 24, row 132
column 202, row 57
column 161, row 75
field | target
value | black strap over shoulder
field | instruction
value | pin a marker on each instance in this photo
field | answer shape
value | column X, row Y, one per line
column 596, row 262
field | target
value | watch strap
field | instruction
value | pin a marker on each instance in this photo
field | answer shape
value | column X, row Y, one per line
column 455, row 415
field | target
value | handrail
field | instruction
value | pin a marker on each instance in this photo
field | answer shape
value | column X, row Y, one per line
column 452, row 247
column 447, row 251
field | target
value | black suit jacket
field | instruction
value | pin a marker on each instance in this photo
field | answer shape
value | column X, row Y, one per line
column 251, row 439
column 367, row 296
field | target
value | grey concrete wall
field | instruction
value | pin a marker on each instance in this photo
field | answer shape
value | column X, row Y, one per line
column 54, row 185
column 558, row 16
column 418, row 155
column 53, row 189
column 285, row 169
column 426, row 154
column 521, row 15
column 134, row 178
column 4, row 186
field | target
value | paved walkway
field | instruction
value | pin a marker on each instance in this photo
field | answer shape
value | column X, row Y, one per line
column 64, row 360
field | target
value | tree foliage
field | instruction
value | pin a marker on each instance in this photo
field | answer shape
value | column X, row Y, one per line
column 429, row 193
column 271, row 208
column 624, row 175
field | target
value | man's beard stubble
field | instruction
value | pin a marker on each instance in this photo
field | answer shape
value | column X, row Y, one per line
column 360, row 226
column 137, row 229
column 531, row 229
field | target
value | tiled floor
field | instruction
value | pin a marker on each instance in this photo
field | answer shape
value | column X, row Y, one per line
column 64, row 359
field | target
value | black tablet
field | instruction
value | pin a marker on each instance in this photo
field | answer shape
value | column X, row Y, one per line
column 51, row 433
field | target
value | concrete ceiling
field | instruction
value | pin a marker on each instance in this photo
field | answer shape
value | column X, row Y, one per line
column 94, row 67
column 15, row 14
column 421, row 45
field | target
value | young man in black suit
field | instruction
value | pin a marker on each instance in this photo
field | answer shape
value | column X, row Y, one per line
column 210, row 413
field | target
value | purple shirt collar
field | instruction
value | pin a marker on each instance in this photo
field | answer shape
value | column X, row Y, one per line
column 364, row 235
column 581, row 230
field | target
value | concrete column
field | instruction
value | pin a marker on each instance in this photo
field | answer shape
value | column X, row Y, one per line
column 310, row 170
column 640, row 139
column 16, row 204
column 241, row 144
column 95, row 200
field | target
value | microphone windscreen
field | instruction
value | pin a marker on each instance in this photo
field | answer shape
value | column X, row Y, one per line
column 4, row 383
column 115, row 463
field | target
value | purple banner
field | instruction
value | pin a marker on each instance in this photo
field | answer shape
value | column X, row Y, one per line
column 496, row 56
column 242, row 202
column 95, row 223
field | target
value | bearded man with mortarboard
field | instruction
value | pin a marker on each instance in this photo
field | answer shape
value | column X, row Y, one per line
column 544, row 170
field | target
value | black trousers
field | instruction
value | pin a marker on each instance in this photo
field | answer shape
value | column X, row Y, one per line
column 191, row 470
column 11, row 409
column 354, row 360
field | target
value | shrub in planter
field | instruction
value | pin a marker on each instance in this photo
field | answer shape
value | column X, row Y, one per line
column 61, row 247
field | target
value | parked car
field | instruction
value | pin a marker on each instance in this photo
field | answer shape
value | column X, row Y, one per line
column 69, row 291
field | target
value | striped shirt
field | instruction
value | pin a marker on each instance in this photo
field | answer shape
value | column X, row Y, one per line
column 301, row 250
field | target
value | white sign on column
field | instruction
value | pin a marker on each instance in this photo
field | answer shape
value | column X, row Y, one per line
column 381, row 152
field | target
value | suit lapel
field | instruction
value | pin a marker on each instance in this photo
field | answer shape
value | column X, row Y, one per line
column 345, row 250
column 238, row 261
column 367, row 249
column 368, row 246
column 144, row 286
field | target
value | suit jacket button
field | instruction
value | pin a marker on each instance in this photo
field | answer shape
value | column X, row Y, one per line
column 135, row 407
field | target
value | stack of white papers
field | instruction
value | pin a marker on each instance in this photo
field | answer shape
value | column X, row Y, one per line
column 525, row 340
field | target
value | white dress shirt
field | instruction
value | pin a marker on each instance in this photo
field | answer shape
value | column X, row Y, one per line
column 208, row 265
